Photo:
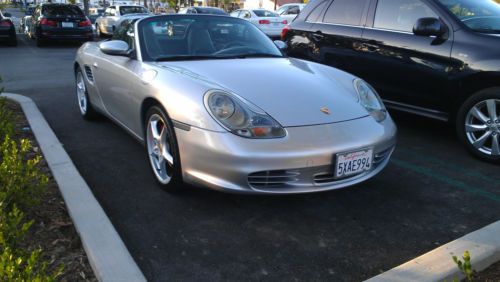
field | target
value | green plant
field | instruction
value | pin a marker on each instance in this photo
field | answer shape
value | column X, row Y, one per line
column 17, row 264
column 21, row 185
column 21, row 180
column 465, row 266
column 6, row 126
column 13, row 227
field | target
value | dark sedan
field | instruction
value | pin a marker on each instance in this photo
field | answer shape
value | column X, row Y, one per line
column 7, row 30
column 52, row 22
column 435, row 58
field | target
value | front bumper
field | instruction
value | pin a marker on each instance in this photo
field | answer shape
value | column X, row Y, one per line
column 301, row 162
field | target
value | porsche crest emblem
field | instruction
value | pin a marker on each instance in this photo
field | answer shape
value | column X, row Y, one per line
column 325, row 110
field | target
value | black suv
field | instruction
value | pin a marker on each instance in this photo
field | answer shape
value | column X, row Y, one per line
column 436, row 58
column 7, row 29
column 59, row 22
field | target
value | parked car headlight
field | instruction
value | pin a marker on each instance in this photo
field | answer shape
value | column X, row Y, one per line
column 241, row 117
column 369, row 99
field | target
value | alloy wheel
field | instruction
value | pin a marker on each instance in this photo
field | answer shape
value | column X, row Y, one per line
column 159, row 148
column 482, row 127
column 81, row 93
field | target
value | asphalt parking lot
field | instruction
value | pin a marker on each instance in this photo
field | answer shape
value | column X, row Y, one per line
column 432, row 192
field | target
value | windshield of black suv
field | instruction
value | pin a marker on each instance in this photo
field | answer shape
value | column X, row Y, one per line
column 479, row 15
column 202, row 37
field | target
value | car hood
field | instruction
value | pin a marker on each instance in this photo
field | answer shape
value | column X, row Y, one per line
column 292, row 91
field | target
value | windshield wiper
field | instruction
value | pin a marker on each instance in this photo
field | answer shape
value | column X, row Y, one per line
column 488, row 31
column 185, row 58
column 255, row 55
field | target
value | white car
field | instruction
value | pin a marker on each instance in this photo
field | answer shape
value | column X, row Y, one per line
column 267, row 21
column 106, row 24
column 290, row 11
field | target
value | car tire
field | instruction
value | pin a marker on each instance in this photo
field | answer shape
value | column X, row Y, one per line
column 84, row 105
column 12, row 41
column 162, row 149
column 98, row 31
column 478, row 124
column 40, row 42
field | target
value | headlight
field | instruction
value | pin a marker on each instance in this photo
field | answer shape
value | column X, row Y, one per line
column 240, row 117
column 369, row 99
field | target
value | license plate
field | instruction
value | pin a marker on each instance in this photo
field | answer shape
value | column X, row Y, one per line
column 65, row 24
column 353, row 163
column 276, row 24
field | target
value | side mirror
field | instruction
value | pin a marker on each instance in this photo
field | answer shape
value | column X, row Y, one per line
column 115, row 48
column 429, row 27
column 7, row 15
column 280, row 44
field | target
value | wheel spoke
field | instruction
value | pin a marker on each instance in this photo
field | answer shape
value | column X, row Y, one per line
column 481, row 140
column 475, row 127
column 495, row 145
column 153, row 127
column 478, row 114
column 167, row 156
column 492, row 109
column 156, row 162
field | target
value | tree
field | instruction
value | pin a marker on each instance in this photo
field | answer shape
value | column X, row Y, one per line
column 86, row 7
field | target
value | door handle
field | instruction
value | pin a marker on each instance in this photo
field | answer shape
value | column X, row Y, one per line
column 318, row 35
column 370, row 47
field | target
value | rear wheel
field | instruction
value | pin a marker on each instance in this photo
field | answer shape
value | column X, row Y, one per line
column 40, row 42
column 478, row 124
column 98, row 31
column 86, row 110
column 162, row 149
column 13, row 41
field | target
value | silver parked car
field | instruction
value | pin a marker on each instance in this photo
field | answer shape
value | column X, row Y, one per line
column 269, row 22
column 106, row 24
column 290, row 11
column 218, row 105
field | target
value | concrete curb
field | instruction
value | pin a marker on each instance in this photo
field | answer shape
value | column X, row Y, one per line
column 108, row 255
column 437, row 265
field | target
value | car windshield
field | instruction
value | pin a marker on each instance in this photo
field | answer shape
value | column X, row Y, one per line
column 281, row 10
column 62, row 11
column 124, row 10
column 479, row 15
column 199, row 37
column 264, row 13
column 210, row 11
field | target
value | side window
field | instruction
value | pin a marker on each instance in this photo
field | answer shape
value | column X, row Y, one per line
column 245, row 14
column 316, row 12
column 400, row 15
column 348, row 12
column 112, row 12
column 282, row 10
column 107, row 11
column 293, row 10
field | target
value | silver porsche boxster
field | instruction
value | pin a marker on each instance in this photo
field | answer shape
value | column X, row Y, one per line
column 217, row 104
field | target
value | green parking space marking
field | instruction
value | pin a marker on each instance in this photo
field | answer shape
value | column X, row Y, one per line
column 450, row 181
column 449, row 166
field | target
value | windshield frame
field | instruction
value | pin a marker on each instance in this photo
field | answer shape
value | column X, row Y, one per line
column 139, row 40
column 455, row 20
